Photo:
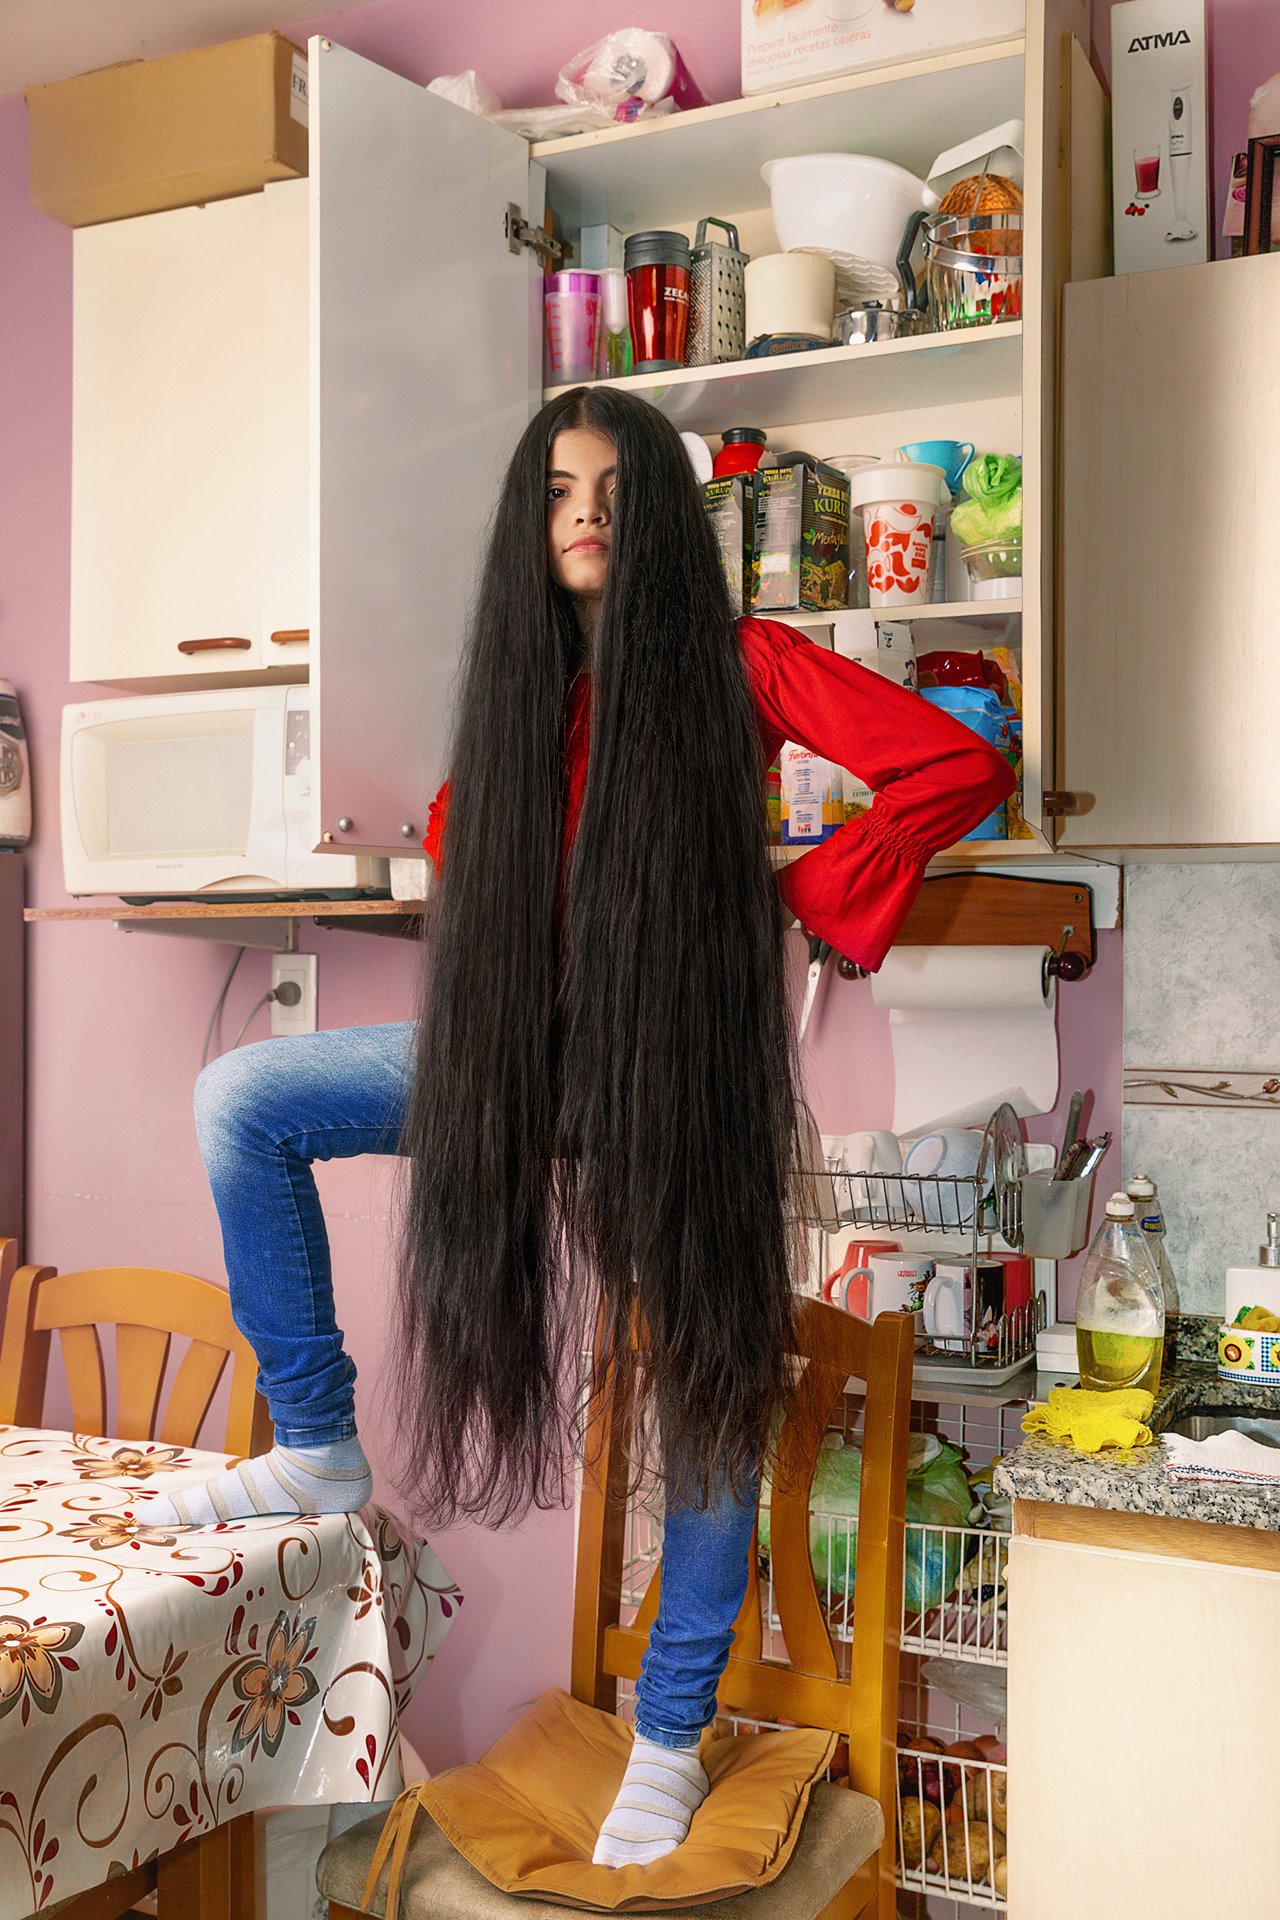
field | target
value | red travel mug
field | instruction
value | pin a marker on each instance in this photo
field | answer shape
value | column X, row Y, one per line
column 658, row 276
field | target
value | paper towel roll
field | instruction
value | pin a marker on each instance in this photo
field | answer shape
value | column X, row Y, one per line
column 970, row 1027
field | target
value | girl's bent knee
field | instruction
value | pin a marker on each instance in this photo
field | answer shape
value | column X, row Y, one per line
column 234, row 1091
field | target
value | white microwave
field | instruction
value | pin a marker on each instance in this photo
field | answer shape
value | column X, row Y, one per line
column 198, row 794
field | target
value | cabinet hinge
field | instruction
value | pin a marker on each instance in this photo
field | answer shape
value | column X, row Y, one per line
column 1057, row 802
column 520, row 233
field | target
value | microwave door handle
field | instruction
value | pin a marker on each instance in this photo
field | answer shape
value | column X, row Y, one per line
column 215, row 646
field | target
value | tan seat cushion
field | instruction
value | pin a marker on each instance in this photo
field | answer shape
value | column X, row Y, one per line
column 523, row 1822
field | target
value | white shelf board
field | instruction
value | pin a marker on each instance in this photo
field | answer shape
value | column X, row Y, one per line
column 831, row 383
column 683, row 165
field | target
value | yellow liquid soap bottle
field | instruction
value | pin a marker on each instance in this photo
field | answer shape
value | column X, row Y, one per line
column 1120, row 1307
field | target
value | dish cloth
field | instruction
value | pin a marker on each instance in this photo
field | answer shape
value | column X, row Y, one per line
column 1223, row 1456
column 1089, row 1421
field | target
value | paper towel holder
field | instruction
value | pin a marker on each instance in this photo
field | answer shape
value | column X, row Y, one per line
column 1003, row 910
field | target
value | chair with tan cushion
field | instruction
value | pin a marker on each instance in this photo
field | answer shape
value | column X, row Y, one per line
column 839, row 1852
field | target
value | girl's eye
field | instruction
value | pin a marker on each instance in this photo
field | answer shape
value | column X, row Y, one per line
column 557, row 493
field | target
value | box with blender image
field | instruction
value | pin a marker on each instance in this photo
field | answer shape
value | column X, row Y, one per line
column 1159, row 140
column 731, row 503
column 802, row 536
column 785, row 42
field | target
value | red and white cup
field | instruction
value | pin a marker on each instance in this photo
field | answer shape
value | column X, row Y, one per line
column 849, row 1287
column 900, row 501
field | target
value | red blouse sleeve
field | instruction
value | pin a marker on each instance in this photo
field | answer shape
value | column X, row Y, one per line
column 433, row 838
column 933, row 781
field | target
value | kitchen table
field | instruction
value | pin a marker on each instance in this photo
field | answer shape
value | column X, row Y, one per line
column 156, row 1683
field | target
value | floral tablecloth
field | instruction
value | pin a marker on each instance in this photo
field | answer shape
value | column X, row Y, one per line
column 156, row 1682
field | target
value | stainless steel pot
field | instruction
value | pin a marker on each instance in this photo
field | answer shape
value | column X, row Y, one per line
column 872, row 322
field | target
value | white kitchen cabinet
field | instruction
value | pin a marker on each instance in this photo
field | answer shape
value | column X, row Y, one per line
column 1171, row 560
column 421, row 344
column 167, row 530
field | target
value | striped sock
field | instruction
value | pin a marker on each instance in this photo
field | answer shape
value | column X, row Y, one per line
column 287, row 1480
column 661, row 1790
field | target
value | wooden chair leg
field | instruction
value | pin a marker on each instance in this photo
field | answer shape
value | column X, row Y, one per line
column 194, row 1881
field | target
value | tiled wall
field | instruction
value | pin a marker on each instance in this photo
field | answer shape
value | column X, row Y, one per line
column 1202, row 1060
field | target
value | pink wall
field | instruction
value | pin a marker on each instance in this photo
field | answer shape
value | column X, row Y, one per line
column 1244, row 50
column 116, row 1022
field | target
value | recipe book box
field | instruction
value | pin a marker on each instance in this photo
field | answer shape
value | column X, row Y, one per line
column 784, row 44
column 153, row 134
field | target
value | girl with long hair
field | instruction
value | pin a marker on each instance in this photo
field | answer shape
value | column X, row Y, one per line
column 597, row 1101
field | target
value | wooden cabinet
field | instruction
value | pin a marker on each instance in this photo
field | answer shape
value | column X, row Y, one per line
column 1171, row 558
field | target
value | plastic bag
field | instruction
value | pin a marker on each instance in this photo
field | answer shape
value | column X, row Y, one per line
column 938, row 1496
column 993, row 510
column 627, row 73
column 466, row 90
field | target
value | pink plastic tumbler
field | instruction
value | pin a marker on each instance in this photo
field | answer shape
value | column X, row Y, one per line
column 572, row 305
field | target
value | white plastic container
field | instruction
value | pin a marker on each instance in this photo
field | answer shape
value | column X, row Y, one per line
column 790, row 293
column 900, row 500
column 853, row 207
column 1257, row 1286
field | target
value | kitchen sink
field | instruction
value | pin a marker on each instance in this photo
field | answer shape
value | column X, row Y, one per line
column 1198, row 1423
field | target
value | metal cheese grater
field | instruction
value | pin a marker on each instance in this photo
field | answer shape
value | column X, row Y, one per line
column 717, row 298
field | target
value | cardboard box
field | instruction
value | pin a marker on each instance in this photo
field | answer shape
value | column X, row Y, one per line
column 153, row 134
column 731, row 503
column 1160, row 148
column 802, row 536
column 784, row 44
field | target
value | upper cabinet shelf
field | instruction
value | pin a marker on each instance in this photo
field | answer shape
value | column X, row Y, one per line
column 681, row 166
column 936, row 369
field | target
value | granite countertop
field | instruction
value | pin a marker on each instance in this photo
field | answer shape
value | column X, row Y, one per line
column 1134, row 1480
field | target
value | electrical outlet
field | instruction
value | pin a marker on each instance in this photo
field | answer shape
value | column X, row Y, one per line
column 300, row 969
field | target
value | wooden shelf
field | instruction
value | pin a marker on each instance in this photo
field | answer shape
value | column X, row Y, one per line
column 831, row 383
column 977, row 612
column 230, row 910
column 677, row 166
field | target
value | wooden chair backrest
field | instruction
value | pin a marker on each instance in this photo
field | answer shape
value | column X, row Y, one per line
column 149, row 1307
column 831, row 1348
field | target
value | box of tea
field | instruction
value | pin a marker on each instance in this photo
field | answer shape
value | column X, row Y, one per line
column 731, row 504
column 802, row 536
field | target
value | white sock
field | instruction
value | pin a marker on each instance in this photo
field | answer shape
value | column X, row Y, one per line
column 661, row 1790
column 287, row 1480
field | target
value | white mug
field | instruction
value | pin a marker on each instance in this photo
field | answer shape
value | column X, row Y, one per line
column 946, row 1301
column 876, row 1152
column 899, row 1282
column 953, row 1153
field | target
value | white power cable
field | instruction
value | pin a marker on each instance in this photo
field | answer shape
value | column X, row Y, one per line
column 218, row 1005
column 252, row 1015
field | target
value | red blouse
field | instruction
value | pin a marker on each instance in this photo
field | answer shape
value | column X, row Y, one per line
column 932, row 778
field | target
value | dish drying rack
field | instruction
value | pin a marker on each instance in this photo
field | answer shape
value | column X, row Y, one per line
column 971, row 1211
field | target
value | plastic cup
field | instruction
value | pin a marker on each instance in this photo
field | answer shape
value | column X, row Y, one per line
column 900, row 500
column 572, row 305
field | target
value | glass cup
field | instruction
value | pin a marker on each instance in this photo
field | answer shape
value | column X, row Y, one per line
column 1146, row 172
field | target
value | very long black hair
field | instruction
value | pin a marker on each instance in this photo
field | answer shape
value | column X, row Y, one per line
column 603, row 1110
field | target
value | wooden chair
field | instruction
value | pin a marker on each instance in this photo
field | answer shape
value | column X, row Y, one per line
column 148, row 1306
column 806, row 1690
column 211, row 1877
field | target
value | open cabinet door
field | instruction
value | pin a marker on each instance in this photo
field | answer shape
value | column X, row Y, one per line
column 424, row 363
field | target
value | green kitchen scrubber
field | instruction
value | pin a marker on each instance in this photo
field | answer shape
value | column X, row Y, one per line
column 993, row 510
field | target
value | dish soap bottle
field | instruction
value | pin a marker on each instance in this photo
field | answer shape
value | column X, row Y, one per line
column 1257, row 1286
column 1120, row 1308
column 1150, row 1217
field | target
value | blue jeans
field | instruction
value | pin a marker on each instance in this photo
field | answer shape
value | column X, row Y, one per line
column 264, row 1114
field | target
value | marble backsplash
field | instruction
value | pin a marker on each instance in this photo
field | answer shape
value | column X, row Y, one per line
column 1202, row 1060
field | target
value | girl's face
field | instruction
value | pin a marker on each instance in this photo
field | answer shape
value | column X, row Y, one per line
column 581, row 474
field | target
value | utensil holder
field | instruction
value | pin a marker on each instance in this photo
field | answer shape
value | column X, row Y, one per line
column 1055, row 1215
